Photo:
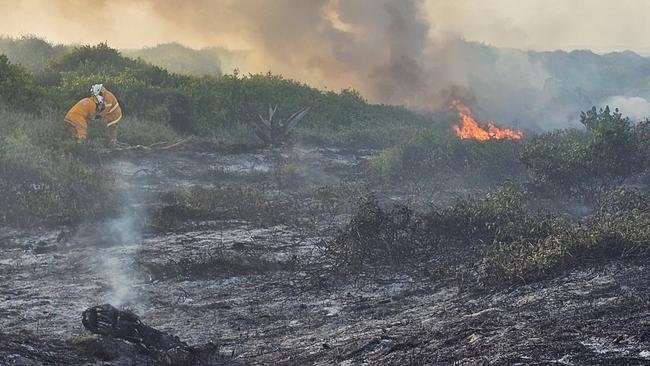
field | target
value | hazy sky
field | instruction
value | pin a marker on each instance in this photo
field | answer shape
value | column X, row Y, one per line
column 601, row 25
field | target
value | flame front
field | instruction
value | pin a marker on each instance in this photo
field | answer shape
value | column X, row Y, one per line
column 469, row 128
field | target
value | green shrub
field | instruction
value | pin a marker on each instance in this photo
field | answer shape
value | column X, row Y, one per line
column 438, row 156
column 500, row 215
column 222, row 106
column 87, row 59
column 136, row 131
column 376, row 236
column 46, row 177
column 620, row 229
column 611, row 150
column 17, row 88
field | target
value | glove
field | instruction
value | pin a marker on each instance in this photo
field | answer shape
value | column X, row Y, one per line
column 101, row 104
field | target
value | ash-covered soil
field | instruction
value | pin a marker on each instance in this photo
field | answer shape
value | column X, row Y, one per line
column 251, row 281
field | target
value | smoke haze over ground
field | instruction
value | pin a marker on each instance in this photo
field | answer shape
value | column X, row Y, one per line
column 410, row 52
column 113, row 242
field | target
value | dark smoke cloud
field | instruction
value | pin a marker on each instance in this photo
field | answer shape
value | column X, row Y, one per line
column 392, row 51
column 384, row 48
column 377, row 46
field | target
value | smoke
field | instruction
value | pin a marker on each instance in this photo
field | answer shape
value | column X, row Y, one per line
column 408, row 52
column 391, row 51
column 636, row 108
column 180, row 59
column 113, row 243
column 375, row 46
column 126, row 233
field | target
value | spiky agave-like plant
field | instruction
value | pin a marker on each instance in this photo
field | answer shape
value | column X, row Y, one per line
column 273, row 132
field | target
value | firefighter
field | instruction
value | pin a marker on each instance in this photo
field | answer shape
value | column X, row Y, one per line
column 100, row 104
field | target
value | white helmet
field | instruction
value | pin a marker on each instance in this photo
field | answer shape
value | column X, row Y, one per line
column 96, row 89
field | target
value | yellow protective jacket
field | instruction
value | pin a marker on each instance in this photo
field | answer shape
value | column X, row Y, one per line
column 112, row 113
column 78, row 116
column 86, row 110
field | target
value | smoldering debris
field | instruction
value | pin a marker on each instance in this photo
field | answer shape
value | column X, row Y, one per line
column 107, row 321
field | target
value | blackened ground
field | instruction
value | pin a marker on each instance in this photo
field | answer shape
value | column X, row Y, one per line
column 256, row 289
column 586, row 317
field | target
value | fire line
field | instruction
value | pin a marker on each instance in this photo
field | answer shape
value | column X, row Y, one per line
column 470, row 128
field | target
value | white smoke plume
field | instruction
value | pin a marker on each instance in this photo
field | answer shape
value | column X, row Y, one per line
column 637, row 108
column 126, row 232
column 113, row 243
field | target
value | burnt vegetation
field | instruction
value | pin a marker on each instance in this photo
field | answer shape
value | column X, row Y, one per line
column 522, row 230
column 496, row 239
column 48, row 179
column 572, row 198
column 416, row 200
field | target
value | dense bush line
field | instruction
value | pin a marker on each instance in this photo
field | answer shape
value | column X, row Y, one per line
column 208, row 105
column 574, row 163
column 588, row 162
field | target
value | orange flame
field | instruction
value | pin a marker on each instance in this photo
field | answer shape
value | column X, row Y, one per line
column 469, row 128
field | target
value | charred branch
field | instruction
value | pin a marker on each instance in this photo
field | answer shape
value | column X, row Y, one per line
column 114, row 324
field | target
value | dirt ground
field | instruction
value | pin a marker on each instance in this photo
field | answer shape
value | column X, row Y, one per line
column 253, row 286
